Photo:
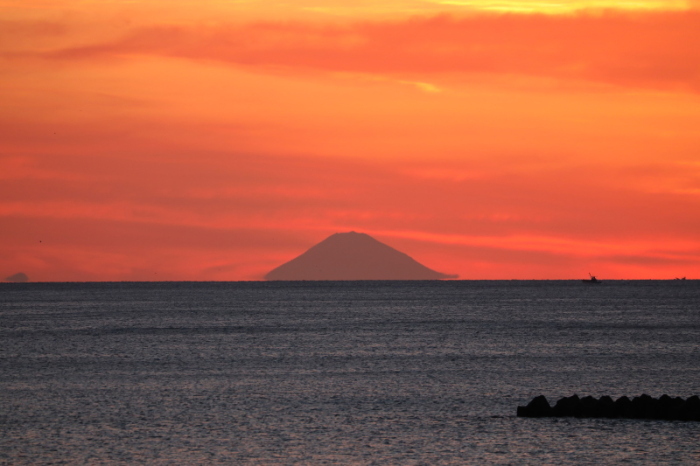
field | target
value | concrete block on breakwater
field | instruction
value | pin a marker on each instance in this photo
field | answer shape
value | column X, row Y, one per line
column 640, row 407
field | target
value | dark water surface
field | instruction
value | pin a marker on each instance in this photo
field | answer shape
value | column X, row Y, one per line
column 341, row 372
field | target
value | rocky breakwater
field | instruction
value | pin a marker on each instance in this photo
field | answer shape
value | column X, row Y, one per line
column 639, row 407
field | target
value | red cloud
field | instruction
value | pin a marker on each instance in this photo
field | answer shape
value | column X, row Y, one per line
column 653, row 49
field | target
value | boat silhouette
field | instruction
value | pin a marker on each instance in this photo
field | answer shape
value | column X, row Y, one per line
column 592, row 280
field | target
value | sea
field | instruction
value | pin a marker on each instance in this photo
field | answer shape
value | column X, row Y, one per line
column 370, row 373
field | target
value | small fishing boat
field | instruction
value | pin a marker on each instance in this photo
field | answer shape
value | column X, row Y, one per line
column 592, row 280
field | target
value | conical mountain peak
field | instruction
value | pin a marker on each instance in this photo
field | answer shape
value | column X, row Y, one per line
column 353, row 256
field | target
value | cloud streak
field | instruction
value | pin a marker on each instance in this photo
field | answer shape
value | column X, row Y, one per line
column 651, row 49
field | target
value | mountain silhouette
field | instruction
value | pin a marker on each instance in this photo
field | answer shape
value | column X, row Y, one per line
column 353, row 256
column 19, row 277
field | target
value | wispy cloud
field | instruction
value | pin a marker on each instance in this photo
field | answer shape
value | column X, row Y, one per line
column 652, row 49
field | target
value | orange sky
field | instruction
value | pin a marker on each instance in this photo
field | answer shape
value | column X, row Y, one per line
column 215, row 140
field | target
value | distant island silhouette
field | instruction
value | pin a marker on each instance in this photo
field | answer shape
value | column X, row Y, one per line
column 19, row 277
column 353, row 256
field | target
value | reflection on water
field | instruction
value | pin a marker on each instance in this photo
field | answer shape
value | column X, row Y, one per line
column 393, row 372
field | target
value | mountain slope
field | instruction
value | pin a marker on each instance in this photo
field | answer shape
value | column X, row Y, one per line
column 353, row 256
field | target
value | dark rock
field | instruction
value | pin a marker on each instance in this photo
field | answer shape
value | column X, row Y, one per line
column 538, row 407
column 623, row 407
column 677, row 408
column 586, row 407
column 644, row 407
column 691, row 411
column 605, row 408
column 566, row 407
column 664, row 408
column 640, row 407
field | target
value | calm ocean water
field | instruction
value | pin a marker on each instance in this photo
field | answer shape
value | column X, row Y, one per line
column 341, row 372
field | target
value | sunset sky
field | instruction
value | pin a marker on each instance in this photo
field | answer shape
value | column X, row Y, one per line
column 217, row 139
